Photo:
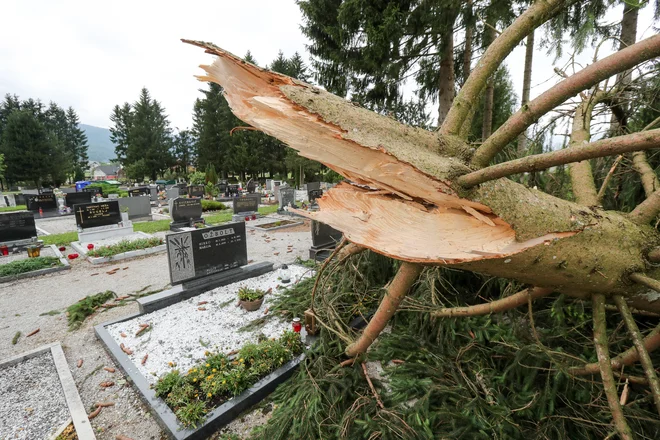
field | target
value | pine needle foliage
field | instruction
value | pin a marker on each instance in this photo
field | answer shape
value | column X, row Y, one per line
column 78, row 312
column 500, row 376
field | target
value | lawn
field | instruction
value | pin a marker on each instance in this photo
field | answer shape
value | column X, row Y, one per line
column 13, row 208
column 66, row 238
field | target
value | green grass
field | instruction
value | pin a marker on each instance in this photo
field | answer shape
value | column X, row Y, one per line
column 64, row 239
column 13, row 208
column 28, row 265
column 151, row 227
column 224, row 217
column 79, row 311
column 213, row 205
column 125, row 246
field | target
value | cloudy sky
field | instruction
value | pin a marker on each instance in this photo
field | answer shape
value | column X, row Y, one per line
column 91, row 57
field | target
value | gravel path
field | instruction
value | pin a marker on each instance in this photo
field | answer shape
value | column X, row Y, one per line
column 32, row 404
column 24, row 305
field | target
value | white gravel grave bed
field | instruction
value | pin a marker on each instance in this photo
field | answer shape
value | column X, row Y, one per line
column 32, row 402
column 181, row 333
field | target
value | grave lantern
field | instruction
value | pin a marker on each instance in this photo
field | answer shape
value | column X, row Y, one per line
column 285, row 274
column 297, row 325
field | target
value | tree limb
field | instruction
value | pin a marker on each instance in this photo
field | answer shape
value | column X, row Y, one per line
column 537, row 14
column 624, row 359
column 647, row 210
column 397, row 290
column 606, row 181
column 600, row 148
column 644, row 358
column 587, row 77
column 647, row 174
column 645, row 281
column 609, row 385
column 500, row 305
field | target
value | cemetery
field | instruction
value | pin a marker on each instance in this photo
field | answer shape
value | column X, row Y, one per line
column 415, row 220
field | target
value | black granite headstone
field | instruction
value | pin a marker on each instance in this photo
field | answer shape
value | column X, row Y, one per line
column 185, row 209
column 90, row 215
column 223, row 188
column 72, row 199
column 20, row 199
column 46, row 191
column 196, row 190
column 94, row 190
column 203, row 252
column 324, row 235
column 139, row 192
column 287, row 196
column 18, row 225
column 251, row 186
column 314, row 194
column 245, row 204
column 233, row 190
column 47, row 202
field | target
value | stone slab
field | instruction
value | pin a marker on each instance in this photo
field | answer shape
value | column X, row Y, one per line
column 40, row 272
column 81, row 248
column 76, row 409
column 97, row 235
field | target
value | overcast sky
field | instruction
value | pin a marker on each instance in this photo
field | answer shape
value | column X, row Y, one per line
column 91, row 57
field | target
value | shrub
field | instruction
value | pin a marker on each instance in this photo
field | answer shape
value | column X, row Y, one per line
column 212, row 205
column 125, row 246
column 247, row 294
column 79, row 311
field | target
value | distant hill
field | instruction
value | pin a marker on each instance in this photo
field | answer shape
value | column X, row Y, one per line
column 101, row 148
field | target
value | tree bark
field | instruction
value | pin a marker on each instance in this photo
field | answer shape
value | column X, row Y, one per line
column 582, row 178
column 489, row 94
column 446, row 84
column 469, row 31
column 527, row 86
column 405, row 201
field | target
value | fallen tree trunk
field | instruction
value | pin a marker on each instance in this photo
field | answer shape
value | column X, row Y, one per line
column 405, row 201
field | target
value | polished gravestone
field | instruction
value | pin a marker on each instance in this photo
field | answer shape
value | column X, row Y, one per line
column 251, row 186
column 17, row 227
column 287, row 197
column 195, row 190
column 207, row 251
column 246, row 204
column 92, row 215
column 76, row 198
column 185, row 212
column 94, row 190
column 47, row 202
column 139, row 192
column 324, row 240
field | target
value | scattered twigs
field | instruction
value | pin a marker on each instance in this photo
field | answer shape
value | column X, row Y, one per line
column 122, row 437
column 628, row 357
column 104, row 404
column 143, row 328
column 647, row 210
column 79, row 363
column 322, row 269
column 95, row 413
column 645, row 281
column 348, row 250
column 33, row 332
column 371, row 385
column 144, row 359
column 647, row 174
column 618, row 62
column 125, row 349
column 109, row 369
column 106, row 384
column 601, row 148
column 240, row 128
column 606, row 181
column 609, row 384
column 347, row 362
column 643, row 354
column 500, row 305
column 403, row 280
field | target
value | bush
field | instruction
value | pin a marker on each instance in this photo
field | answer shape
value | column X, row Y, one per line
column 246, row 294
column 212, row 205
column 197, row 178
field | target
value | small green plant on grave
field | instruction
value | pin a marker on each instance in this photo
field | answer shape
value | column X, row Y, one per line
column 218, row 378
column 18, row 267
column 124, row 209
column 247, row 294
column 125, row 246
column 78, row 312
column 14, row 341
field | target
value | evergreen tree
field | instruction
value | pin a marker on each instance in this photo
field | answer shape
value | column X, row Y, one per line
column 26, row 147
column 121, row 118
column 76, row 140
column 183, row 150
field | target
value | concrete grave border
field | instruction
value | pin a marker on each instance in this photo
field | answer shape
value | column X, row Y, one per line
column 40, row 272
column 259, row 226
column 124, row 255
column 226, row 412
column 76, row 409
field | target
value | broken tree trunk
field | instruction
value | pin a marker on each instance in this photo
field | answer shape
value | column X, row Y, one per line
column 404, row 200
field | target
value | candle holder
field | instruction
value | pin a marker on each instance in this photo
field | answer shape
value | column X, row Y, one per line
column 310, row 322
column 4, row 250
column 297, row 325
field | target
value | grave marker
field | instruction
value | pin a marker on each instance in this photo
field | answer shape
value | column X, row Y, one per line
column 287, row 195
column 246, row 204
column 195, row 190
column 91, row 215
column 324, row 240
column 139, row 192
column 185, row 212
column 44, row 201
column 251, row 186
column 93, row 190
column 17, row 226
column 207, row 251
column 72, row 199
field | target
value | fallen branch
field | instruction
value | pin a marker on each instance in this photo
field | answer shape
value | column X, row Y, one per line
column 33, row 332
column 647, row 210
column 601, row 148
column 322, row 269
column 106, row 384
column 144, row 359
column 618, row 62
column 606, row 181
column 109, row 369
column 645, row 281
column 125, row 349
column 79, row 363
column 647, row 174
column 397, row 290
column 500, row 305
column 349, row 250
column 95, row 413
column 642, row 353
column 609, row 384
column 371, row 385
column 104, row 404
column 143, row 328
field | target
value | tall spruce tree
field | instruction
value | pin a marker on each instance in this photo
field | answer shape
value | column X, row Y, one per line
column 184, row 144
column 119, row 133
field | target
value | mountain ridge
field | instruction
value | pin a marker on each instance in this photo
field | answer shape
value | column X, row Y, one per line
column 101, row 148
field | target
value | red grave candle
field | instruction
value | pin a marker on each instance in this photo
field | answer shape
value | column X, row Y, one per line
column 297, row 325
